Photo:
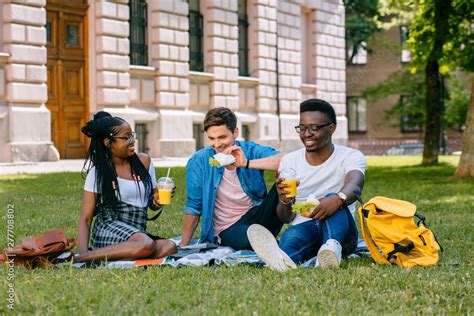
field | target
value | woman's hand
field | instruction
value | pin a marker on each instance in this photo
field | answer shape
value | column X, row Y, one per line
column 156, row 197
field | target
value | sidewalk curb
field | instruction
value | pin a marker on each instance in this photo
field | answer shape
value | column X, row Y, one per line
column 74, row 165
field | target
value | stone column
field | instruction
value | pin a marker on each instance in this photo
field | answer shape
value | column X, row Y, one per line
column 330, row 61
column 111, row 54
column 289, row 71
column 221, row 51
column 169, row 27
column 262, row 62
column 28, row 121
column 5, row 154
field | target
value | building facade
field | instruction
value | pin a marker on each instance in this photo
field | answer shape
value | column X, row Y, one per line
column 368, row 128
column 161, row 65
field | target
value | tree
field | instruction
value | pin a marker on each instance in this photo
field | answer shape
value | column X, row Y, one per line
column 440, row 39
column 466, row 163
column 464, row 55
column 428, row 34
column 360, row 25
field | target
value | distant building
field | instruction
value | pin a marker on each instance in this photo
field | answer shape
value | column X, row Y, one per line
column 161, row 64
column 368, row 130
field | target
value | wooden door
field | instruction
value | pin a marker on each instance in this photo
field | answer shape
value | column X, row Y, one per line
column 67, row 76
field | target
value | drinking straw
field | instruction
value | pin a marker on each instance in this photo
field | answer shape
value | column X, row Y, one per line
column 168, row 174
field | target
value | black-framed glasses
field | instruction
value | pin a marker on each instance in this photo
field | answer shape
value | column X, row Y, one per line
column 129, row 137
column 313, row 128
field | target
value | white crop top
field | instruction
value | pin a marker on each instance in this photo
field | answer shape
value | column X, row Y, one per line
column 129, row 192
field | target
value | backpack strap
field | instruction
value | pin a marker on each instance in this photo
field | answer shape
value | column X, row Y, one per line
column 155, row 216
column 374, row 250
column 421, row 219
column 399, row 248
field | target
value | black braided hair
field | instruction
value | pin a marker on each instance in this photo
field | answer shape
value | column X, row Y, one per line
column 105, row 126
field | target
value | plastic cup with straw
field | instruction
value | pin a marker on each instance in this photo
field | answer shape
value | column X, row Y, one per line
column 165, row 187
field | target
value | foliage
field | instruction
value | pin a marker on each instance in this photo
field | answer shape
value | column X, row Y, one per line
column 440, row 39
column 45, row 201
column 456, row 104
column 457, row 43
column 412, row 85
column 360, row 24
column 395, row 13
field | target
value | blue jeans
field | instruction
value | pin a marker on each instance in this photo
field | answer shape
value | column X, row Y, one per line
column 301, row 242
column 264, row 214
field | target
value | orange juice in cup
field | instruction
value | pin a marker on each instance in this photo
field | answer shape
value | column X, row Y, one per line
column 291, row 189
column 289, row 176
column 165, row 186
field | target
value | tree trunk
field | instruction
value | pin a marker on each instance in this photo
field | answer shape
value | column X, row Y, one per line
column 466, row 164
column 434, row 112
column 434, row 104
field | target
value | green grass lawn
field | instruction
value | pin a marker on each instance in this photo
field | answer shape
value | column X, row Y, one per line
column 47, row 201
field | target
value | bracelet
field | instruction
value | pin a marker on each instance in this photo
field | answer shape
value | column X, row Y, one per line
column 247, row 165
column 292, row 200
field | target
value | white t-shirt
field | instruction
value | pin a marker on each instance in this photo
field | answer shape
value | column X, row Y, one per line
column 129, row 192
column 325, row 178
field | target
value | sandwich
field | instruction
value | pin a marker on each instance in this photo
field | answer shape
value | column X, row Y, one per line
column 221, row 160
column 305, row 208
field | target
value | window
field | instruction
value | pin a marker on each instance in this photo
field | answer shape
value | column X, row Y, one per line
column 198, row 135
column 411, row 121
column 243, row 39
column 246, row 132
column 142, row 142
column 138, row 33
column 357, row 114
column 405, row 56
column 307, row 47
column 48, row 32
column 360, row 58
column 196, row 60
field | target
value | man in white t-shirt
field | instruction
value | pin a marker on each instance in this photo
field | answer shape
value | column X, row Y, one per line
column 327, row 172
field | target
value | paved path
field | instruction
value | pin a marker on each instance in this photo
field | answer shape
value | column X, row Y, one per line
column 72, row 165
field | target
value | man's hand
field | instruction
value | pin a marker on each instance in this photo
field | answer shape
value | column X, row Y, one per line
column 238, row 153
column 282, row 189
column 327, row 206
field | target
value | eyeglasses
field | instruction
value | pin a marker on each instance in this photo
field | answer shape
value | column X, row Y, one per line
column 313, row 128
column 129, row 138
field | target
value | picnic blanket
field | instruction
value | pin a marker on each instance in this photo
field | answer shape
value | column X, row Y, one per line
column 203, row 254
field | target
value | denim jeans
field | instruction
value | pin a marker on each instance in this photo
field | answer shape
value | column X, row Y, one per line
column 301, row 242
column 264, row 214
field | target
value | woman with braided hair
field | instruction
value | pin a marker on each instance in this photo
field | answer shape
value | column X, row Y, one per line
column 118, row 190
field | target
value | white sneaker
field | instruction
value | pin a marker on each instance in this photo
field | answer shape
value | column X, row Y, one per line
column 266, row 247
column 329, row 255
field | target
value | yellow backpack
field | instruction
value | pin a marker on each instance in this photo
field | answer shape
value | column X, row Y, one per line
column 393, row 237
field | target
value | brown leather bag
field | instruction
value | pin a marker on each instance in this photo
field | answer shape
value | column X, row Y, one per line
column 38, row 251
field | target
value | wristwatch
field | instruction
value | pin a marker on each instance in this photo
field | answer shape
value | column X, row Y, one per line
column 342, row 196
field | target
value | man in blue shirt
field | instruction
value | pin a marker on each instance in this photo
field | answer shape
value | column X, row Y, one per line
column 231, row 198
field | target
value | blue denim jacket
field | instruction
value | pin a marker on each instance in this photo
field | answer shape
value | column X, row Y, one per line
column 202, row 181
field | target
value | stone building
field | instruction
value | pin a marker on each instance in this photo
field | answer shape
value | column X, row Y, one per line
column 161, row 64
